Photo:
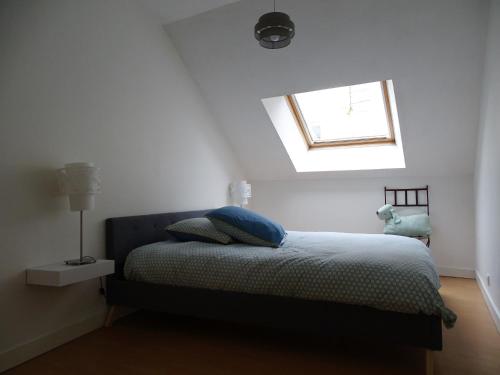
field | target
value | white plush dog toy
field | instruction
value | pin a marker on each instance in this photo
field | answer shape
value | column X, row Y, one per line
column 387, row 212
column 412, row 226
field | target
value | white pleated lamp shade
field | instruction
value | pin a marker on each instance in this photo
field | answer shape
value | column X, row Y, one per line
column 80, row 182
column 241, row 191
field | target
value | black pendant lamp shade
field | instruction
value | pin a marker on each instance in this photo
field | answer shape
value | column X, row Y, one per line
column 274, row 30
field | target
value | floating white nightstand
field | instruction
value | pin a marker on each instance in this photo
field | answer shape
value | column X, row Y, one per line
column 60, row 274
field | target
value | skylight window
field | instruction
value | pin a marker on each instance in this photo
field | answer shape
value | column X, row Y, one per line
column 363, row 119
column 344, row 116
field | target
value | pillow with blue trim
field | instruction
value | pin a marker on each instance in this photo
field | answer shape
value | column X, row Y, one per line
column 247, row 226
column 197, row 229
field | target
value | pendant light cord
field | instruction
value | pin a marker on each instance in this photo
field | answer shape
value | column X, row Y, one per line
column 349, row 111
column 274, row 5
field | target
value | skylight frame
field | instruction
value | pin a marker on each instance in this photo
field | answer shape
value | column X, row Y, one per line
column 365, row 141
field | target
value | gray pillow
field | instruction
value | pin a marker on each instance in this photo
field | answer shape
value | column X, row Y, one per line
column 197, row 229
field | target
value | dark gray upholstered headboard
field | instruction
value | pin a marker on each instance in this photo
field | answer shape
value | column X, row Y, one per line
column 124, row 234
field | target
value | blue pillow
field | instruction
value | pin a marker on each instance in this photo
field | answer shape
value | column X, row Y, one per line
column 247, row 226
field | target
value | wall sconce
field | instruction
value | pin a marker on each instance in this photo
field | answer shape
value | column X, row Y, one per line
column 240, row 191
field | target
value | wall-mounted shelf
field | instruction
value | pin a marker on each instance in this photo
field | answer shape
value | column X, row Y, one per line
column 60, row 274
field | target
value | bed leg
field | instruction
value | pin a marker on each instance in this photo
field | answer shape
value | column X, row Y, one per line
column 108, row 322
column 429, row 362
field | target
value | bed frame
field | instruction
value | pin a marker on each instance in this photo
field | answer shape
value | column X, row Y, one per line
column 292, row 314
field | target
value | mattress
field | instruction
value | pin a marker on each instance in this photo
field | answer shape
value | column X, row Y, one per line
column 386, row 272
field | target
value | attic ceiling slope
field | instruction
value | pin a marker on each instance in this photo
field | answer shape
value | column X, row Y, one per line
column 175, row 10
column 433, row 52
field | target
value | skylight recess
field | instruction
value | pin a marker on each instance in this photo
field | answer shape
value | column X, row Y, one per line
column 349, row 128
column 345, row 116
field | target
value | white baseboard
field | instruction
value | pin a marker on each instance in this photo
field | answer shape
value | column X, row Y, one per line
column 466, row 273
column 44, row 343
column 494, row 310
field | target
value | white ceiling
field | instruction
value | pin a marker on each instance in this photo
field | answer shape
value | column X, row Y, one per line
column 432, row 50
column 174, row 10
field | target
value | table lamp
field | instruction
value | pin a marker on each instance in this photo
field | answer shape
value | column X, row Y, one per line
column 80, row 182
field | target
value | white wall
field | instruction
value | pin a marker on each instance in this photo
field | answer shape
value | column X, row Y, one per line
column 92, row 81
column 349, row 205
column 173, row 10
column 488, row 169
column 432, row 50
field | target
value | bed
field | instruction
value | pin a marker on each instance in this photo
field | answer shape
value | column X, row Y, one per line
column 301, row 313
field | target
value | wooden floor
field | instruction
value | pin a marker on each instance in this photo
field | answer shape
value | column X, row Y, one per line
column 151, row 343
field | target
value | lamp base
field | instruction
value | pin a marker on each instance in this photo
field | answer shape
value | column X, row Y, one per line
column 80, row 261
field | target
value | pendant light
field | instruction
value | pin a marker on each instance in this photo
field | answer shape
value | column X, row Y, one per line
column 274, row 30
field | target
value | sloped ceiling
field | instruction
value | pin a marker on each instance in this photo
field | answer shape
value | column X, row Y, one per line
column 433, row 50
column 174, row 10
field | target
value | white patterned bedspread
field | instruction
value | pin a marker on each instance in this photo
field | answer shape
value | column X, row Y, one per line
column 385, row 272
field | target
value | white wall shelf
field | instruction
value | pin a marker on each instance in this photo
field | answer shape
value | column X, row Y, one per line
column 60, row 274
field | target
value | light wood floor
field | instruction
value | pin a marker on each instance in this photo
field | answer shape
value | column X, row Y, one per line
column 149, row 343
